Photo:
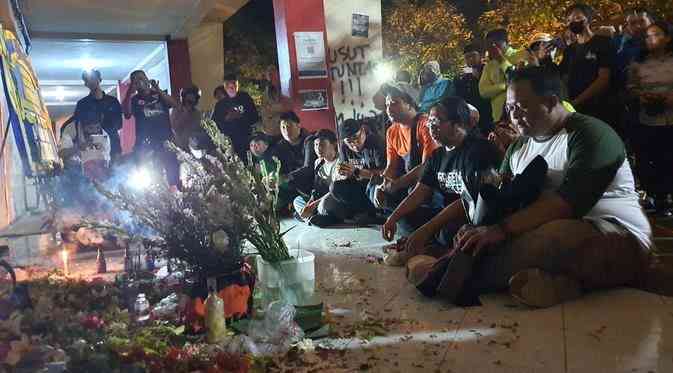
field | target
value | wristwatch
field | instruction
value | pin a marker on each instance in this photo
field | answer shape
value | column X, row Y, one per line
column 356, row 173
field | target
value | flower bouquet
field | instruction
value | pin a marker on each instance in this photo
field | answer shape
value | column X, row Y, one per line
column 204, row 226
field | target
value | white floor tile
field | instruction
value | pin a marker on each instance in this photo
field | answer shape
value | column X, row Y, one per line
column 622, row 330
column 501, row 337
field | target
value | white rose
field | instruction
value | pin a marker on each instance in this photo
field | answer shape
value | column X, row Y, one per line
column 221, row 241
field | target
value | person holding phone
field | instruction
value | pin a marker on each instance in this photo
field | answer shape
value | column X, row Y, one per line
column 236, row 115
column 150, row 106
column 493, row 82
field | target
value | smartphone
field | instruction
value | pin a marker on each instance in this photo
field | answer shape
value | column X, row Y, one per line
column 557, row 42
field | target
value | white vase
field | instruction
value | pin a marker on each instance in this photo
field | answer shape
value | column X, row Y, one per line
column 291, row 280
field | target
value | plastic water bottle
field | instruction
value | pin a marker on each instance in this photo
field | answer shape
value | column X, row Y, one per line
column 141, row 307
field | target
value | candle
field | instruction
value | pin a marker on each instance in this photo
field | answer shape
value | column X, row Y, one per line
column 64, row 256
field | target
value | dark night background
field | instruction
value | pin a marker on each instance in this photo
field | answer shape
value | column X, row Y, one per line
column 255, row 22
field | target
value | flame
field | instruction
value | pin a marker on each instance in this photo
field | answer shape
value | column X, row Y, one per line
column 64, row 257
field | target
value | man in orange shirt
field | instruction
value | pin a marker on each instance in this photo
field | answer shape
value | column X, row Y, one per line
column 408, row 146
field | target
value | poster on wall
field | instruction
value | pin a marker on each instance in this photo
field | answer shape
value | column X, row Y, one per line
column 310, row 48
column 360, row 26
column 313, row 99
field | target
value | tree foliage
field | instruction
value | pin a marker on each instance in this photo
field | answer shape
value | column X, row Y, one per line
column 417, row 32
column 524, row 18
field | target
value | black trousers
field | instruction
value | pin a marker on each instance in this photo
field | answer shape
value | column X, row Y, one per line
column 654, row 159
column 352, row 194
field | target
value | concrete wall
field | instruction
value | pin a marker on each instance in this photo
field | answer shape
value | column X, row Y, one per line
column 293, row 16
column 352, row 53
column 206, row 53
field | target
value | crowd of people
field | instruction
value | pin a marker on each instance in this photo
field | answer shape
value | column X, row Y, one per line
column 516, row 174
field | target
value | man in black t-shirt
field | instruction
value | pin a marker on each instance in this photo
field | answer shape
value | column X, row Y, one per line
column 467, row 87
column 363, row 156
column 103, row 108
column 296, row 147
column 459, row 166
column 150, row 106
column 589, row 65
column 236, row 115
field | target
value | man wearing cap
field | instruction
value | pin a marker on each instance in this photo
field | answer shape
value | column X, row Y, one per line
column 101, row 107
column 236, row 115
column 408, row 146
column 363, row 156
column 433, row 86
column 541, row 51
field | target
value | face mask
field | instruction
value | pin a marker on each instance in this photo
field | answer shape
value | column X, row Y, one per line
column 576, row 27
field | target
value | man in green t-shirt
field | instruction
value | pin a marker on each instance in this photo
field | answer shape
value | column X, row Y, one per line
column 587, row 230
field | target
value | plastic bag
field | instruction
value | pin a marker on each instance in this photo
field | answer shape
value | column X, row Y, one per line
column 167, row 308
column 276, row 333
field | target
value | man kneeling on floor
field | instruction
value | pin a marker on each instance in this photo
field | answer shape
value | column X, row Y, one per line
column 459, row 166
column 586, row 231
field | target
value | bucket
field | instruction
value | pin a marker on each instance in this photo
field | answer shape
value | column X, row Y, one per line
column 291, row 280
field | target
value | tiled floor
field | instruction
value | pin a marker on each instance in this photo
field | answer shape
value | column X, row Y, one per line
column 383, row 324
column 622, row 330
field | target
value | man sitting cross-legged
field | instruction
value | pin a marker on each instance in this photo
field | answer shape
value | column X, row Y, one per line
column 363, row 157
column 586, row 231
column 459, row 166
column 318, row 208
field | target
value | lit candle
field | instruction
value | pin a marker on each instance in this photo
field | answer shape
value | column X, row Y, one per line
column 64, row 256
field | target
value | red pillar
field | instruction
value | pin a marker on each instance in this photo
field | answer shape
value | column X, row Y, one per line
column 179, row 66
column 300, row 16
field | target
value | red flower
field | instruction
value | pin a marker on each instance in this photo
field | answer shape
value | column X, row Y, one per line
column 92, row 322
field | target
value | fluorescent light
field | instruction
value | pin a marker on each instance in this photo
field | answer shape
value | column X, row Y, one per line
column 87, row 63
